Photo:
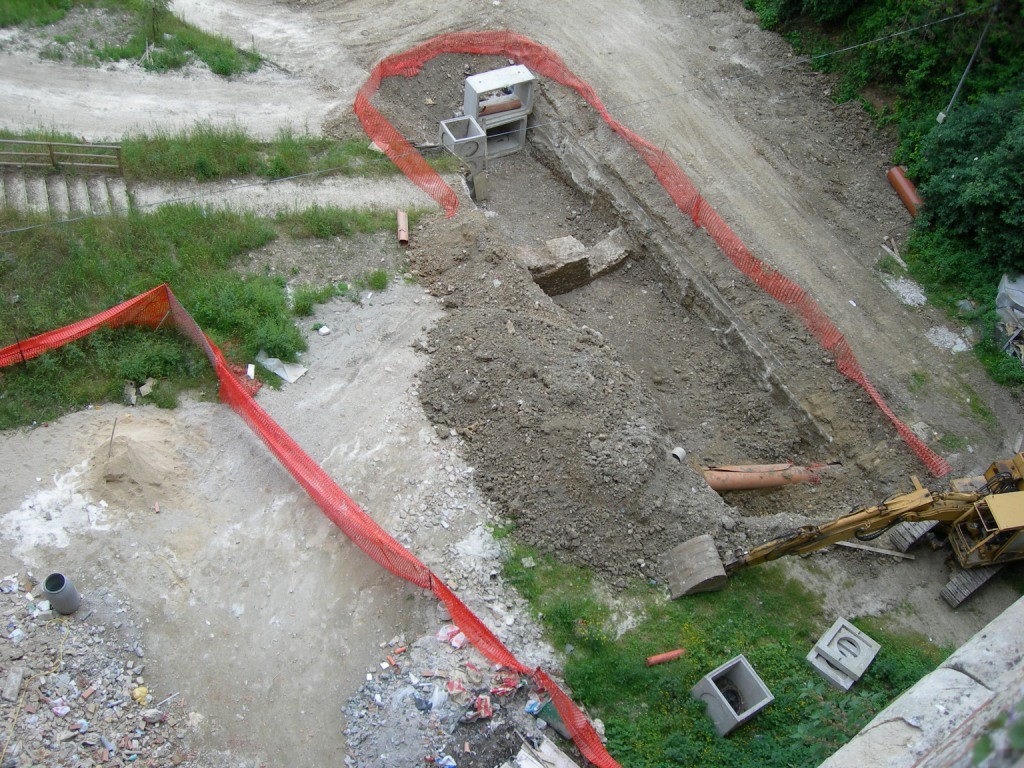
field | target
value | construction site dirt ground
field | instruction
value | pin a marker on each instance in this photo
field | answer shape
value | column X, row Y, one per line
column 467, row 396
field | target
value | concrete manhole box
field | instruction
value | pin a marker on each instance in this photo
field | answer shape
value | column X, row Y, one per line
column 843, row 654
column 733, row 693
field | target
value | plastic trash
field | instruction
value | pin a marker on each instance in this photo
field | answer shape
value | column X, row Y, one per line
column 290, row 372
column 446, row 633
column 438, row 697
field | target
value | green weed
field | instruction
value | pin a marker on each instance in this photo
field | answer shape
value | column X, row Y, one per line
column 889, row 266
column 918, row 382
column 377, row 280
column 304, row 298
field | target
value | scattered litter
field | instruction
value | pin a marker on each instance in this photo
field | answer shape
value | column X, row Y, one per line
column 250, row 370
column 447, row 632
column 324, row 330
column 290, row 372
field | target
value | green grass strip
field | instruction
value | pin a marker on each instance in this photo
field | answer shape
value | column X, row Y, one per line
column 650, row 717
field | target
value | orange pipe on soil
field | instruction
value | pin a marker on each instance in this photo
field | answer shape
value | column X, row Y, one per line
column 661, row 658
column 752, row 476
column 403, row 228
column 905, row 189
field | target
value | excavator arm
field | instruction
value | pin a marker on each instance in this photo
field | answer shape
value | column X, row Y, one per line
column 864, row 523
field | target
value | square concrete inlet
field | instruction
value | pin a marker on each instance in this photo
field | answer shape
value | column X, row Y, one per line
column 843, row 654
column 733, row 693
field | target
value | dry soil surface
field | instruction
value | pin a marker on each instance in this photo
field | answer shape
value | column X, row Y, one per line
column 475, row 396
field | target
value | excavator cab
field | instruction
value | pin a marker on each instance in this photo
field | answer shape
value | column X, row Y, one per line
column 991, row 532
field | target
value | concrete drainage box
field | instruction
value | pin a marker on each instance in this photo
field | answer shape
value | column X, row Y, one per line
column 500, row 101
column 733, row 694
column 843, row 654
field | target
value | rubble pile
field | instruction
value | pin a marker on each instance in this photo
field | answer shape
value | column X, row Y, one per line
column 74, row 688
column 438, row 701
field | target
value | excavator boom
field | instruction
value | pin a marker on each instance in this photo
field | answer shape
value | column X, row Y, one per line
column 984, row 517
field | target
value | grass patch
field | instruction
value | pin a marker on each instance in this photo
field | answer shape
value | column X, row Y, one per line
column 650, row 718
column 166, row 42
column 207, row 152
column 305, row 297
column 327, row 221
column 53, row 276
column 95, row 368
column 36, row 12
column 918, row 382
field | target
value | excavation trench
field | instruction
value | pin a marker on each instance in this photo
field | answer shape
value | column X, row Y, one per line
column 571, row 404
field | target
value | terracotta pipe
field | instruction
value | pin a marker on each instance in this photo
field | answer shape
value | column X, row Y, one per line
column 905, row 189
column 661, row 658
column 403, row 228
column 500, row 106
column 753, row 476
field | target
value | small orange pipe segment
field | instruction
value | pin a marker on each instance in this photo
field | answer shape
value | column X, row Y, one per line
column 661, row 658
column 753, row 476
column 905, row 189
column 403, row 228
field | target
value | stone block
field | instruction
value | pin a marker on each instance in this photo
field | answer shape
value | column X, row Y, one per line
column 609, row 254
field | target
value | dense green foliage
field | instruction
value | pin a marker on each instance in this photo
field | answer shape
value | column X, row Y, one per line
column 968, row 168
column 650, row 718
column 972, row 168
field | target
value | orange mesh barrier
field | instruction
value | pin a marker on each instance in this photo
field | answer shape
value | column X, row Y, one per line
column 159, row 307
column 150, row 308
column 684, row 194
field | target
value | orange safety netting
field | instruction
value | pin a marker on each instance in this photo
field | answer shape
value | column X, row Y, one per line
column 684, row 194
column 159, row 308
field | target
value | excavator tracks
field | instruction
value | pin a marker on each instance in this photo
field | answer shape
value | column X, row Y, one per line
column 965, row 582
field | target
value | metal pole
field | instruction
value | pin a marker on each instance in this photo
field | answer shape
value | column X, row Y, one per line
column 940, row 118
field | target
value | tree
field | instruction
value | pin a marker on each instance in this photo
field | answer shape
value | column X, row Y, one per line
column 971, row 167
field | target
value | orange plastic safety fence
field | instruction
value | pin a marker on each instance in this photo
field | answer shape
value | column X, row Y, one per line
column 160, row 307
column 150, row 308
column 684, row 194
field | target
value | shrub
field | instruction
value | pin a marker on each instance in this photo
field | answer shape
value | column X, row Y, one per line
column 971, row 167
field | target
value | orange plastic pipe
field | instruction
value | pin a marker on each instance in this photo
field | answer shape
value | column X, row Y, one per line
column 661, row 658
column 752, row 476
column 403, row 228
column 905, row 189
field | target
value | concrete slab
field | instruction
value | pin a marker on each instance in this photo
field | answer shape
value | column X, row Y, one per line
column 915, row 723
column 995, row 650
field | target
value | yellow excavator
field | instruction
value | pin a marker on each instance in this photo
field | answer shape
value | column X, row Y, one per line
column 982, row 519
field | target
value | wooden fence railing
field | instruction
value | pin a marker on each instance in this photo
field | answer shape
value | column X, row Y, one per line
column 19, row 153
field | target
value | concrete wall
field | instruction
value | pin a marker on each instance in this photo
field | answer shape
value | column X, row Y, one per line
column 936, row 723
